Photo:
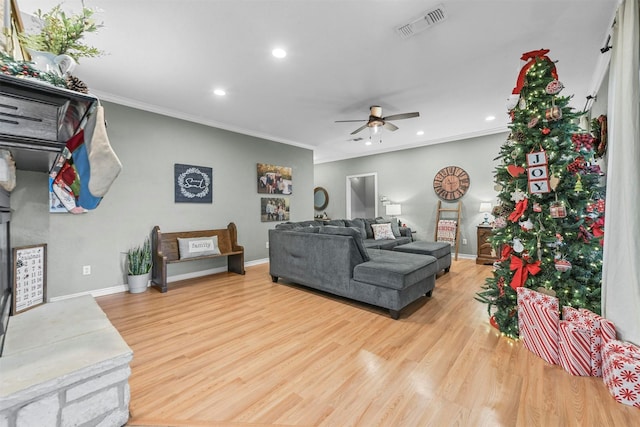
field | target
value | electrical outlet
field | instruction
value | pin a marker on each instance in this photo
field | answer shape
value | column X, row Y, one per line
column 86, row 270
column 464, row 241
column 267, row 245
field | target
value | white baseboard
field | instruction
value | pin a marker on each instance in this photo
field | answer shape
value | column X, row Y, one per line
column 124, row 288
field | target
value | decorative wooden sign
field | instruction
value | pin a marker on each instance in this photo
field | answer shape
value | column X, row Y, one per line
column 538, row 172
column 29, row 277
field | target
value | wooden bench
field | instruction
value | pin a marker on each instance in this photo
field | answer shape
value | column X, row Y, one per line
column 165, row 251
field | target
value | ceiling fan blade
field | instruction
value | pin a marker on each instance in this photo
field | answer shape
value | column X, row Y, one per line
column 359, row 129
column 390, row 126
column 402, row 116
column 346, row 121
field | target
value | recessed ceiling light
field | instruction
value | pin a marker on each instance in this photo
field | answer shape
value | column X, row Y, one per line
column 220, row 92
column 279, row 52
column 420, row 133
column 490, row 118
column 368, row 142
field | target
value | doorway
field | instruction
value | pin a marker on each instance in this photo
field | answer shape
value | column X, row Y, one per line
column 362, row 195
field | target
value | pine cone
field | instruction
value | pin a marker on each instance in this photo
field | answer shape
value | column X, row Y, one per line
column 76, row 84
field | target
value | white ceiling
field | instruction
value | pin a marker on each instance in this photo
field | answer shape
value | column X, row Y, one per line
column 167, row 56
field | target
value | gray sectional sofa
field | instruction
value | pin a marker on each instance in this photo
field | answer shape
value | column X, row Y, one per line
column 340, row 260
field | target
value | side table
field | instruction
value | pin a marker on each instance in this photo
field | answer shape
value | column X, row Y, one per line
column 486, row 253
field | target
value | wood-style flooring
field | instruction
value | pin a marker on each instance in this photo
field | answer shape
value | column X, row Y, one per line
column 231, row 350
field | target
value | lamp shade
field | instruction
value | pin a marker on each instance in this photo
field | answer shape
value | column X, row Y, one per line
column 485, row 207
column 393, row 210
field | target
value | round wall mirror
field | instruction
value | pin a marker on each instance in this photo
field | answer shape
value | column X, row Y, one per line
column 320, row 198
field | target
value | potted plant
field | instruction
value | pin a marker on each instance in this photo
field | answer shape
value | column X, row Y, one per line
column 58, row 45
column 138, row 266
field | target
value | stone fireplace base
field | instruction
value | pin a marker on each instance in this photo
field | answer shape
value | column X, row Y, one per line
column 64, row 364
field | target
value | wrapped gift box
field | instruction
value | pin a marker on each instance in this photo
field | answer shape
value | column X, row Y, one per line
column 575, row 347
column 572, row 341
column 539, row 323
column 621, row 371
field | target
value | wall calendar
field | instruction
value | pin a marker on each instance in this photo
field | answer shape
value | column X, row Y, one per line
column 29, row 277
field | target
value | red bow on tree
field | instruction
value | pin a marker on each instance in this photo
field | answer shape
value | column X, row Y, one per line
column 596, row 227
column 532, row 57
column 523, row 269
column 521, row 206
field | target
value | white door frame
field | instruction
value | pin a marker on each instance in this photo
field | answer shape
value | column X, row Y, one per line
column 375, row 190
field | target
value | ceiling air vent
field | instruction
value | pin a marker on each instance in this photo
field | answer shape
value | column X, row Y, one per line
column 422, row 22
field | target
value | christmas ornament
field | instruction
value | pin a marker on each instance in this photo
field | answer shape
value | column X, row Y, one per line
column 500, row 285
column 545, row 131
column 518, row 195
column 532, row 123
column 517, row 245
column 562, row 265
column 552, row 114
column 492, row 322
column 497, row 187
column 520, row 136
column 537, row 207
column 578, row 187
column 506, row 253
column 522, row 104
column 526, row 225
column 514, row 154
column 553, row 182
column 558, row 210
column 554, row 86
column 515, row 171
column 512, row 101
column 500, row 222
column 538, row 172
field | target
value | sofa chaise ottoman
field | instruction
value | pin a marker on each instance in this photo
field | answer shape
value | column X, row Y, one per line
column 440, row 250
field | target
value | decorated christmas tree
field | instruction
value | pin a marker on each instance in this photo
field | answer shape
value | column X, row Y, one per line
column 548, row 228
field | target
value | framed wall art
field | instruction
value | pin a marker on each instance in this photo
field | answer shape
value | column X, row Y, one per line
column 29, row 277
column 274, row 179
column 193, row 184
column 274, row 209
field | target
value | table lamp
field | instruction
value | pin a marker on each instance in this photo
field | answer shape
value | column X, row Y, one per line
column 485, row 207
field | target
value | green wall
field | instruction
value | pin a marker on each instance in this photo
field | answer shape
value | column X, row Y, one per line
column 142, row 196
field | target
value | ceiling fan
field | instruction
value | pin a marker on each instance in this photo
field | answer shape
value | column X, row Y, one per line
column 376, row 120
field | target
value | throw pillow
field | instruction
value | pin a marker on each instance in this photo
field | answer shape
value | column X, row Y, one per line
column 357, row 223
column 367, row 225
column 198, row 246
column 382, row 231
column 394, row 226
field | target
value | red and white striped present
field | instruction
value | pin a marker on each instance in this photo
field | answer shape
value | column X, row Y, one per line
column 575, row 347
column 539, row 323
column 621, row 371
column 600, row 331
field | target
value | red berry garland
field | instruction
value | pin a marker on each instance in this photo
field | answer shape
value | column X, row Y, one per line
column 577, row 165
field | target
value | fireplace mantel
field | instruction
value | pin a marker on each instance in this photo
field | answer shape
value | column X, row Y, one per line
column 37, row 119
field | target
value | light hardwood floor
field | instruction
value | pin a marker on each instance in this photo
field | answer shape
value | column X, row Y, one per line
column 230, row 350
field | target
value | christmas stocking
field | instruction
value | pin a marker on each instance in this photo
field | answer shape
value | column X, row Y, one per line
column 73, row 177
column 104, row 164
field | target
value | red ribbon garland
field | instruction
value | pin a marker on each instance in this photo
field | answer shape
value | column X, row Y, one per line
column 523, row 269
column 521, row 206
column 531, row 57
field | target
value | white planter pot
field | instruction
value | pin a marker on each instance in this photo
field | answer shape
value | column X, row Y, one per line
column 138, row 283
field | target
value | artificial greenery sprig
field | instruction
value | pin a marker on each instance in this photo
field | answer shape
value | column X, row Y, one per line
column 11, row 67
column 62, row 34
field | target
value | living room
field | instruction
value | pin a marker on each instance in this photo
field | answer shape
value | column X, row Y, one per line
column 149, row 143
